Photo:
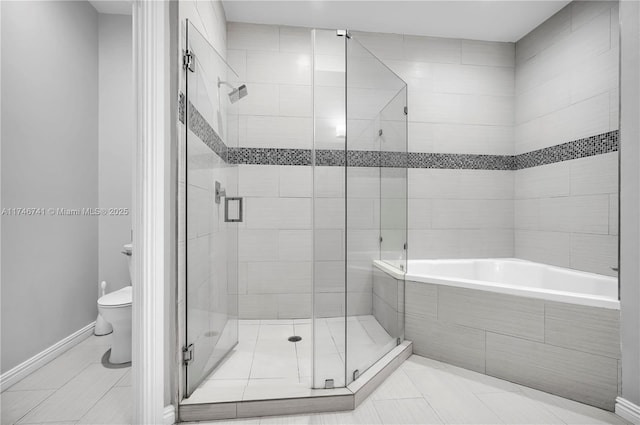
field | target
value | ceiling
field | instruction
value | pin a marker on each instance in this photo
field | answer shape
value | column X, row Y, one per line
column 470, row 19
column 113, row 7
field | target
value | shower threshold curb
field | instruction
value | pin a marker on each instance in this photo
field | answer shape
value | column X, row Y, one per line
column 318, row 401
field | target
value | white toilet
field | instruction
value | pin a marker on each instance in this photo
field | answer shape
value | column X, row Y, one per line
column 115, row 308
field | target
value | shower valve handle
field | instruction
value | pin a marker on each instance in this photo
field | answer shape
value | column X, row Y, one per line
column 220, row 192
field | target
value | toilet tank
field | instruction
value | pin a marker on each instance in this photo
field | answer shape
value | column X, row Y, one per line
column 128, row 251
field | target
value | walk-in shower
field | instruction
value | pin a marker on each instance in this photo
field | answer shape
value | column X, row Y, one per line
column 282, row 298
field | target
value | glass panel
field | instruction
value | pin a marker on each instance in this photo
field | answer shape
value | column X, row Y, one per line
column 329, row 208
column 212, row 243
column 393, row 181
column 388, row 304
column 376, row 205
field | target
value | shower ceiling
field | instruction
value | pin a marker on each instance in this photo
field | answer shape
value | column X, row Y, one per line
column 475, row 20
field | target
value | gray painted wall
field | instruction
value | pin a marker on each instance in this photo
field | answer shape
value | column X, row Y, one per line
column 115, row 145
column 630, row 200
column 49, row 159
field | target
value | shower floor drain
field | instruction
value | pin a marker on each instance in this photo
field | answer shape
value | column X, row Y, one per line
column 295, row 338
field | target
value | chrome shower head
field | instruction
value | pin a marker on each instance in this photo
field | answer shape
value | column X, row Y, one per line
column 238, row 93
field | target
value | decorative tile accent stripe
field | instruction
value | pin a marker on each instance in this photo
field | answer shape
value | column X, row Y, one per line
column 330, row 157
column 581, row 148
column 394, row 159
column 269, row 156
column 201, row 128
column 323, row 157
column 460, row 161
column 262, row 156
column 363, row 158
column 181, row 108
column 293, row 157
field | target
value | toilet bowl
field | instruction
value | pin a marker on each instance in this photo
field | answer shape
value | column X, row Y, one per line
column 115, row 308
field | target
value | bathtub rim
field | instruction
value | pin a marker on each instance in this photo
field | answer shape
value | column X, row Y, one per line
column 501, row 288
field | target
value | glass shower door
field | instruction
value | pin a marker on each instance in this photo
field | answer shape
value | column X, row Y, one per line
column 376, row 202
column 212, row 209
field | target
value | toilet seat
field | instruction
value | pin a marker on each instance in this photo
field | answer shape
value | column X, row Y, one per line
column 120, row 298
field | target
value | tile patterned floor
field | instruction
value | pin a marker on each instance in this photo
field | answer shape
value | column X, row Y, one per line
column 74, row 388
column 424, row 391
column 266, row 364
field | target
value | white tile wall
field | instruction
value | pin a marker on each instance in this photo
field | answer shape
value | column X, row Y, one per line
column 432, row 49
column 460, row 213
column 566, row 79
column 488, row 53
column 276, row 132
column 544, row 247
column 556, row 84
column 243, row 36
column 259, row 181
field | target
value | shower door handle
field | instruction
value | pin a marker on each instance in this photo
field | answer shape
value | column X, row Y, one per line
column 237, row 214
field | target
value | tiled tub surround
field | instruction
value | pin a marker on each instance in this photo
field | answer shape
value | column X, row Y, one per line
column 388, row 301
column 563, row 348
column 566, row 88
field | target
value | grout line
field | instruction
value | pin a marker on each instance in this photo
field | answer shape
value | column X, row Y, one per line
column 102, row 397
column 54, row 390
column 295, row 347
column 38, row 404
column 253, row 356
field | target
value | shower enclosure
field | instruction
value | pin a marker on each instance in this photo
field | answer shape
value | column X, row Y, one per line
column 357, row 213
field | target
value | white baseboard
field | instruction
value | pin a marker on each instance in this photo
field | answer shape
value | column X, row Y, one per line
column 627, row 410
column 12, row 376
column 169, row 415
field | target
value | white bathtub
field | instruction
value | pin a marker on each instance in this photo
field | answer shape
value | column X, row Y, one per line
column 514, row 277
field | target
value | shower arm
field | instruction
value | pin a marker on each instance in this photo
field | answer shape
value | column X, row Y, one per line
column 220, row 82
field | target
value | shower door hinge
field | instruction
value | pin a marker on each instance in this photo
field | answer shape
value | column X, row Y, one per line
column 343, row 33
column 187, row 354
column 406, row 110
column 356, row 374
column 405, row 246
column 188, row 61
column 380, row 132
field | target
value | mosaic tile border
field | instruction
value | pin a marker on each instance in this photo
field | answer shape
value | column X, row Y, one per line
column 202, row 129
column 460, row 161
column 590, row 146
column 580, row 148
column 323, row 157
column 269, row 156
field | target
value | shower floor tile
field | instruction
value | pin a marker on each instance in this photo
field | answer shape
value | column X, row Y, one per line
column 264, row 364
